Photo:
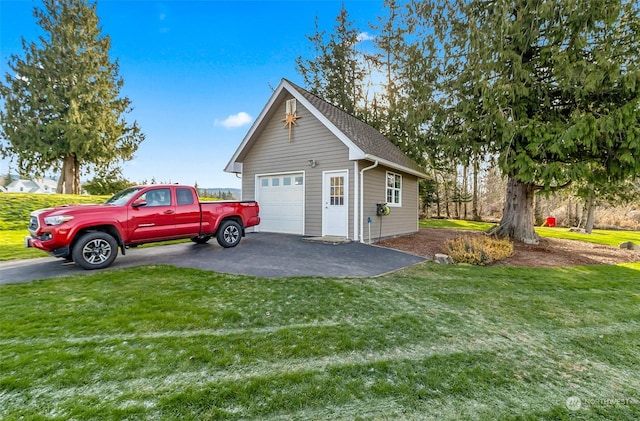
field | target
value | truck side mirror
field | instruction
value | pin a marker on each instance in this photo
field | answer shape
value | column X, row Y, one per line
column 139, row 202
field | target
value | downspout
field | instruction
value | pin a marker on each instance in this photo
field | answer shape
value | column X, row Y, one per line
column 375, row 164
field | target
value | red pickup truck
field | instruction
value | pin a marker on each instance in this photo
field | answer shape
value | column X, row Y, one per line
column 91, row 234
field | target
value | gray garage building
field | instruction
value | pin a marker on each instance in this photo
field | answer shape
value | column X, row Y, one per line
column 316, row 170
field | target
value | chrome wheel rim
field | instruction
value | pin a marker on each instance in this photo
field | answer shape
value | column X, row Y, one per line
column 231, row 234
column 96, row 251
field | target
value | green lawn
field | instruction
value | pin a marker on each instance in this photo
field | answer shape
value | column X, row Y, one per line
column 598, row 236
column 16, row 207
column 429, row 342
column 460, row 224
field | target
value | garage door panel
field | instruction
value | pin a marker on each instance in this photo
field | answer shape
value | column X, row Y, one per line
column 281, row 199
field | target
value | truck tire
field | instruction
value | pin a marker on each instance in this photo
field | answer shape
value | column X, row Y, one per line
column 201, row 239
column 229, row 233
column 95, row 250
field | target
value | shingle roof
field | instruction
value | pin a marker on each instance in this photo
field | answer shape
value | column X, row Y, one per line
column 368, row 139
column 363, row 141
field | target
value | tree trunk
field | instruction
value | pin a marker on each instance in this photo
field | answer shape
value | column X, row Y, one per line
column 591, row 217
column 517, row 217
column 476, row 169
column 438, row 210
column 435, row 177
column 538, row 217
column 69, row 182
column 446, row 199
column 588, row 213
column 465, row 188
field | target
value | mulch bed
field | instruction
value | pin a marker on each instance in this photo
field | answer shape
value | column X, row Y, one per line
column 551, row 252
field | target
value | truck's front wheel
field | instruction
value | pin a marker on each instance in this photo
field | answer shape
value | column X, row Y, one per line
column 229, row 233
column 95, row 250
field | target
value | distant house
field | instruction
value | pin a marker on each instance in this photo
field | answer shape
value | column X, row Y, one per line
column 316, row 170
column 40, row 185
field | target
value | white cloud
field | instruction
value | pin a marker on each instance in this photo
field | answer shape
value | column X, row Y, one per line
column 236, row 120
column 365, row 36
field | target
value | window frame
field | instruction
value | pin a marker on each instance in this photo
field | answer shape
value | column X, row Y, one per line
column 393, row 189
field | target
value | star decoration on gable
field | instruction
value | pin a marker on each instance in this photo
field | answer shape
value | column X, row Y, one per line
column 290, row 121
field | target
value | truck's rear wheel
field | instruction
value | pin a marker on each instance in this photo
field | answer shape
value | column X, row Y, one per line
column 229, row 233
column 95, row 250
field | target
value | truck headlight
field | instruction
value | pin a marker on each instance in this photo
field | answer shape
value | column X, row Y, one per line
column 57, row 220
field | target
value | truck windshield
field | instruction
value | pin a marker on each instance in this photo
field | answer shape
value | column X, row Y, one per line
column 123, row 197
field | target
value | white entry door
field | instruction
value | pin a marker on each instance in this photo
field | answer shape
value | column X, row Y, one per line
column 335, row 203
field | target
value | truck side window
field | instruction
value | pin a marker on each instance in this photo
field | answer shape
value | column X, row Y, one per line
column 158, row 197
column 185, row 197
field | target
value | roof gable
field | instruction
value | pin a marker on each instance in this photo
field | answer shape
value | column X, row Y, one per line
column 362, row 140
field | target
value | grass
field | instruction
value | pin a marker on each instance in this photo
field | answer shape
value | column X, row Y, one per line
column 12, row 246
column 459, row 224
column 16, row 207
column 428, row 342
column 598, row 236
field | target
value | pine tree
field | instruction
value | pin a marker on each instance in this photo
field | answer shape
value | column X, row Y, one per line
column 63, row 109
column 548, row 87
column 336, row 71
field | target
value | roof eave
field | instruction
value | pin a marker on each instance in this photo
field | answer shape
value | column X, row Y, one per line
column 395, row 166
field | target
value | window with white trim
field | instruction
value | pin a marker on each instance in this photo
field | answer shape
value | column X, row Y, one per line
column 394, row 189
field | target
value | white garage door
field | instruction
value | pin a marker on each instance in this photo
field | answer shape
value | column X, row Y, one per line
column 281, row 200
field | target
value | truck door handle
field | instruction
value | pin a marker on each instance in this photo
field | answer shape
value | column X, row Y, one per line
column 169, row 212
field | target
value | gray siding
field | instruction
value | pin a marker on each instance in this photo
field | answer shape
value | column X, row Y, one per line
column 401, row 220
column 272, row 152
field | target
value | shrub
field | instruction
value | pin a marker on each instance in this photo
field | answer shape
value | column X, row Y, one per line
column 478, row 250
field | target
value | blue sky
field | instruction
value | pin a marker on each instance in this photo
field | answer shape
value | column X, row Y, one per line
column 198, row 72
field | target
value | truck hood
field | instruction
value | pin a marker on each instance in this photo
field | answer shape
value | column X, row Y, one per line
column 70, row 209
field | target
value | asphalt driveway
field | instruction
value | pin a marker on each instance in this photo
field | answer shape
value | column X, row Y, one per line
column 260, row 254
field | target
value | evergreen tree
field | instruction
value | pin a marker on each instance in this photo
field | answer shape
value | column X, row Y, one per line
column 63, row 109
column 8, row 178
column 336, row 71
column 548, row 87
column 107, row 182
